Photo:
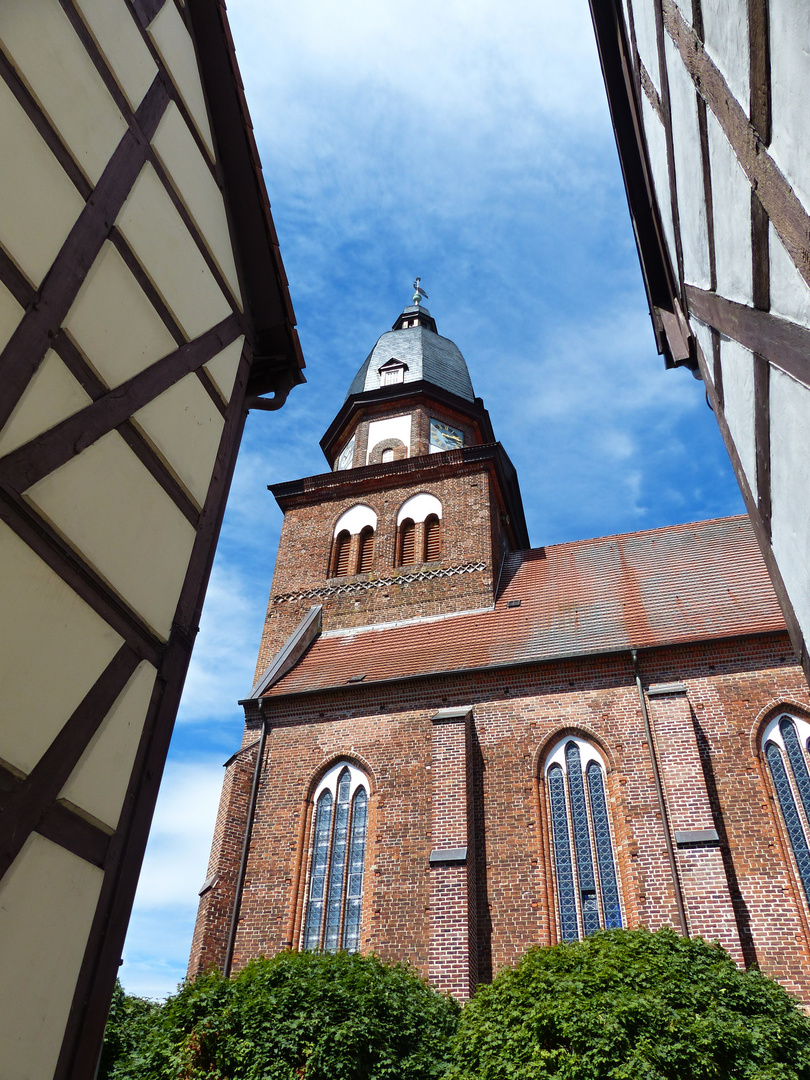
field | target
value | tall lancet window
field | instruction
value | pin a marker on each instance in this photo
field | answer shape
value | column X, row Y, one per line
column 337, row 861
column 785, row 742
column 584, row 864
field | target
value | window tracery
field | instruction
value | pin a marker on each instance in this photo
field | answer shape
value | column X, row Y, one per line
column 785, row 745
column 582, row 847
column 337, row 861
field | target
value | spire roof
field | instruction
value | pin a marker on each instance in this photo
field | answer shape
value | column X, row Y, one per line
column 427, row 356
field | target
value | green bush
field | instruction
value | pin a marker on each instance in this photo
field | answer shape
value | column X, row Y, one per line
column 631, row 1005
column 127, row 1028
column 298, row 1016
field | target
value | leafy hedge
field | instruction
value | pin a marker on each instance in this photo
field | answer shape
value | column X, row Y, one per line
column 319, row 1016
column 621, row 1005
column 631, row 1005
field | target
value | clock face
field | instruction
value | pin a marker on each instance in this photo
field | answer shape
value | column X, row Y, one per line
column 444, row 437
column 346, row 455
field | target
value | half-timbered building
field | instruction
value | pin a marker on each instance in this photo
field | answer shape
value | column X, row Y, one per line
column 143, row 309
column 709, row 104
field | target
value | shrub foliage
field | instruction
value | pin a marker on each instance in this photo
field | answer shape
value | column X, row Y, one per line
column 631, row 1005
column 298, row 1016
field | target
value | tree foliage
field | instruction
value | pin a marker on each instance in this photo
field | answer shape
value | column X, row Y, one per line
column 298, row 1016
column 631, row 1005
column 127, row 1028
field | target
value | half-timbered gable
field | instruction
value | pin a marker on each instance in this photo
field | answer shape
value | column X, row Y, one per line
column 143, row 309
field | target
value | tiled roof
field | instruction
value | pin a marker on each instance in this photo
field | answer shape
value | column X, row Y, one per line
column 664, row 586
column 429, row 356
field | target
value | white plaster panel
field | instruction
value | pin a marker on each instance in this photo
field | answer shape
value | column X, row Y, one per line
column 774, row 735
column 418, row 507
column 688, row 171
column 790, row 490
column 790, row 294
column 172, row 260
column 99, row 782
column 685, row 7
column 725, row 30
column 731, row 198
column 176, row 49
column 71, row 643
column 185, row 427
column 393, row 427
column 224, row 366
column 46, row 50
column 790, row 92
column 704, row 337
column 116, row 515
column 195, row 184
column 47, row 902
column 38, row 204
column 355, row 519
column 587, row 753
column 10, row 315
column 657, row 145
column 52, row 395
column 646, row 40
column 119, row 40
column 113, row 322
column 330, row 780
column 737, row 364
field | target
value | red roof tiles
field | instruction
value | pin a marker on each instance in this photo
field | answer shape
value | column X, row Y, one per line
column 664, row 586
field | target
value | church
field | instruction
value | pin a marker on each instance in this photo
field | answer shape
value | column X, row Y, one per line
column 459, row 746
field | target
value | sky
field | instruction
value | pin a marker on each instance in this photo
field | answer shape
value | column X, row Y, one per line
column 470, row 144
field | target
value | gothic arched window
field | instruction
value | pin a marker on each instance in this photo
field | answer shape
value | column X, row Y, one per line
column 365, row 554
column 337, row 860
column 433, row 538
column 785, row 742
column 340, row 555
column 584, row 863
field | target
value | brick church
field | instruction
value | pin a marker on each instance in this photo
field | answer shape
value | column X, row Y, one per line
column 459, row 746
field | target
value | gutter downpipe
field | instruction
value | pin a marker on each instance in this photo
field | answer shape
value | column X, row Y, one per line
column 240, row 880
column 659, row 790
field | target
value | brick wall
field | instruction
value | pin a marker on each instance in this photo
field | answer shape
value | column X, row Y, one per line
column 744, row 891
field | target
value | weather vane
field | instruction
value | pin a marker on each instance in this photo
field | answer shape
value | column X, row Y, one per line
column 418, row 292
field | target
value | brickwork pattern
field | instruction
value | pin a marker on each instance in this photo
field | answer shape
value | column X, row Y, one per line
column 732, row 688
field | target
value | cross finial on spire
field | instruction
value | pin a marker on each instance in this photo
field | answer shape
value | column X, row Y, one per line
column 418, row 292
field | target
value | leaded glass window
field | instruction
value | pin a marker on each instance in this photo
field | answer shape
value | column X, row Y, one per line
column 337, row 860
column 587, row 883
column 785, row 742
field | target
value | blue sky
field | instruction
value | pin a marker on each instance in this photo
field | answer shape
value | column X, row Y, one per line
column 469, row 143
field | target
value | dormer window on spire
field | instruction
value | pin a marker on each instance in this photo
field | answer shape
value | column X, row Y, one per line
column 392, row 371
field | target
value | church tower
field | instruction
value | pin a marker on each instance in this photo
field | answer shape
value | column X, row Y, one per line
column 421, row 504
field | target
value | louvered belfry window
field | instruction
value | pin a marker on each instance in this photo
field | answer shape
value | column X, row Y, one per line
column 343, row 544
column 584, row 863
column 433, row 538
column 366, row 553
column 337, row 862
column 407, row 542
column 786, row 746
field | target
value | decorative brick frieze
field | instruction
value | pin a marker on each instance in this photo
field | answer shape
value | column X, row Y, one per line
column 378, row 583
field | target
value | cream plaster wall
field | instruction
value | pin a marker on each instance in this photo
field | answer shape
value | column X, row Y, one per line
column 71, row 644
column 223, row 367
column 790, row 490
column 725, row 27
column 738, row 395
column 731, row 196
column 47, row 902
column 38, row 204
column 790, row 91
column 195, row 184
column 114, row 324
column 46, row 50
column 172, row 260
column 656, row 139
column 112, row 25
column 790, row 295
column 185, row 427
column 644, row 20
column 176, row 49
column 704, row 337
column 98, row 783
column 688, row 171
column 10, row 315
column 52, row 395
column 117, row 516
